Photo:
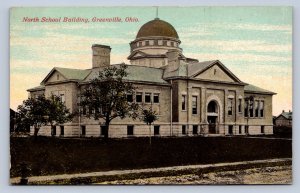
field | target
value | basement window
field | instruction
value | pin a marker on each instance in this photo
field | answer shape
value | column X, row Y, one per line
column 156, row 129
column 195, row 129
column 130, row 130
column 83, row 130
column 183, row 130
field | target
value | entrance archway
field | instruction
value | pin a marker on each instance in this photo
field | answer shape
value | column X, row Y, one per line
column 212, row 116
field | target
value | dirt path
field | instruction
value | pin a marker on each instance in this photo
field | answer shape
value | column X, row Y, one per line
column 265, row 175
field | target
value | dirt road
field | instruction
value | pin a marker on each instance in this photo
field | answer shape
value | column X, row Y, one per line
column 265, row 175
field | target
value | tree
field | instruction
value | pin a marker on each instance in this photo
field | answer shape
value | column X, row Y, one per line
column 106, row 96
column 42, row 111
column 149, row 116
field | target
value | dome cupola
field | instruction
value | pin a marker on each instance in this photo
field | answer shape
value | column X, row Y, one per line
column 156, row 28
column 153, row 40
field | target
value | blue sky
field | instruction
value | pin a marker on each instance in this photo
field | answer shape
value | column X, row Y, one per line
column 255, row 43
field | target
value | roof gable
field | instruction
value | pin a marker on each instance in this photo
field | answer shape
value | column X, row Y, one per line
column 135, row 74
column 254, row 89
column 286, row 115
column 63, row 74
column 212, row 70
column 136, row 54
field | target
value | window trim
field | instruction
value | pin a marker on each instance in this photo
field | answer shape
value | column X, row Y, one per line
column 156, row 94
column 183, row 101
column 137, row 94
column 240, row 109
column 196, row 108
column 230, row 101
column 146, row 94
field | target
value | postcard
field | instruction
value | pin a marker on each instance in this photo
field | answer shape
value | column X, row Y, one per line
column 150, row 95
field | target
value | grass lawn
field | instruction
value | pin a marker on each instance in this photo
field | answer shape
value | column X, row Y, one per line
column 46, row 156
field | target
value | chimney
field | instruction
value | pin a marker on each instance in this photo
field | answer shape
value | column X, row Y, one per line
column 282, row 111
column 101, row 55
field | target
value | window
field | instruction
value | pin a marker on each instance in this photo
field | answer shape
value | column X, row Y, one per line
column 246, row 110
column 247, row 129
column 83, row 130
column 103, row 130
column 155, row 42
column 195, row 129
column 183, row 130
column 229, row 105
column 172, row 44
column 261, row 108
column 183, row 102
column 251, row 108
column 147, row 43
column 156, row 98
column 62, row 98
column 165, row 43
column 256, row 108
column 240, row 106
column 53, row 130
column 140, row 44
column 262, row 129
column 57, row 76
column 240, row 129
column 156, row 129
column 194, row 105
column 147, row 97
column 130, row 130
column 90, row 110
column 129, row 98
column 62, row 130
column 230, row 129
column 138, row 97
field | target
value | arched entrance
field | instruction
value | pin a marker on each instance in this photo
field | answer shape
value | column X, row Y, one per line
column 212, row 116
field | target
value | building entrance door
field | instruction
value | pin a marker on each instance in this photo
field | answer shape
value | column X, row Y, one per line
column 212, row 120
column 212, row 117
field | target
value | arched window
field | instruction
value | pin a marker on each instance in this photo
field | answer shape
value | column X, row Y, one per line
column 212, row 107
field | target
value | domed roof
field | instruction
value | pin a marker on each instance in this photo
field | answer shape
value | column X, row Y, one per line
column 157, row 27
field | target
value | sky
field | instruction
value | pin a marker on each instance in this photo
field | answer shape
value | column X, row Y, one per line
column 255, row 43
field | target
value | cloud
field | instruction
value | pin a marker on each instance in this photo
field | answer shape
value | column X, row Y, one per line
column 262, row 27
column 239, row 57
column 237, row 45
column 244, row 26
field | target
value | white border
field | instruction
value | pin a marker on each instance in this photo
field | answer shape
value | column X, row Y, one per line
column 4, row 102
